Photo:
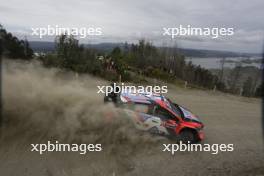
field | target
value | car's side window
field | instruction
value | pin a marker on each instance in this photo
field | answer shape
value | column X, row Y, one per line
column 163, row 113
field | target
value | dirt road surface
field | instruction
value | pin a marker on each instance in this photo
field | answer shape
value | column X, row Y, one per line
column 43, row 104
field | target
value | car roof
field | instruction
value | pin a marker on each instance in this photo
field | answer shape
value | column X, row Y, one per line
column 149, row 98
column 145, row 97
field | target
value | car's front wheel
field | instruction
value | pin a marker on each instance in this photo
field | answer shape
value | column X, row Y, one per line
column 188, row 136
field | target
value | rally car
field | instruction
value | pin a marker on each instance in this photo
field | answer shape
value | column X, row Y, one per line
column 158, row 115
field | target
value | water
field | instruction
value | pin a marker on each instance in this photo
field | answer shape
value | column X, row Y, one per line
column 215, row 63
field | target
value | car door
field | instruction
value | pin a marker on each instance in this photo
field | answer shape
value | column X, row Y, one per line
column 169, row 121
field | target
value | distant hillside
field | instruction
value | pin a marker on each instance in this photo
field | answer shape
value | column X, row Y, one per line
column 214, row 53
column 42, row 46
column 50, row 46
column 108, row 47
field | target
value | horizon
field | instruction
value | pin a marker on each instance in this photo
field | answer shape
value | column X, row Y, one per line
column 185, row 48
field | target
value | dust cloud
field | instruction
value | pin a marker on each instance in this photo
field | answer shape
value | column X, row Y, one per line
column 41, row 104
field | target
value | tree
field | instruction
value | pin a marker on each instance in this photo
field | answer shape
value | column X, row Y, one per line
column 221, row 74
column 27, row 50
column 69, row 51
column 116, row 55
column 260, row 90
column 234, row 77
column 247, row 87
column 14, row 48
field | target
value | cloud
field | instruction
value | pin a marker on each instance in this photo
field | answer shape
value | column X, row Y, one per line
column 123, row 20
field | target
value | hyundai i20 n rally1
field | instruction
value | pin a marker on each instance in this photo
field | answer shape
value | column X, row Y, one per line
column 158, row 115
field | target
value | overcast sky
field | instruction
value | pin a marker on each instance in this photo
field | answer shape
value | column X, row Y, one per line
column 123, row 20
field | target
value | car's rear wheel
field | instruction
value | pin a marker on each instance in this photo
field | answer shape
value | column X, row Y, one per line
column 188, row 136
column 154, row 130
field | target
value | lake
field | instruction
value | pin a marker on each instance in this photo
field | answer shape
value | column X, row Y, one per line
column 215, row 63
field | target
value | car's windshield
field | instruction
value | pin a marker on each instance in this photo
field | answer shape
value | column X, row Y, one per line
column 189, row 115
column 175, row 109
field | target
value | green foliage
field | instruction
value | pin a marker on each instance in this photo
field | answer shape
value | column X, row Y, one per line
column 68, row 49
column 71, row 55
column 51, row 60
column 14, row 48
column 143, row 58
